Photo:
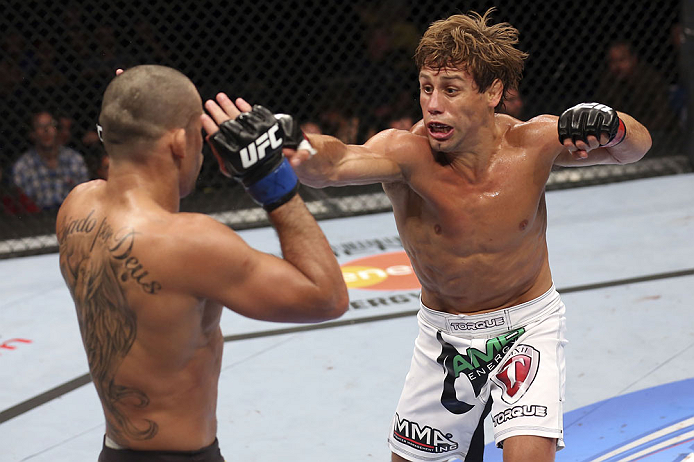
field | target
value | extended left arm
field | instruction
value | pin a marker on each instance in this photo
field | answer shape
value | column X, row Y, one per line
column 622, row 139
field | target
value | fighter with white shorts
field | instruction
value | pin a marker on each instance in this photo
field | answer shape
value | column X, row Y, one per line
column 508, row 362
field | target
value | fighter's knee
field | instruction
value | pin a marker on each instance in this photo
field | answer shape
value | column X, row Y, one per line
column 529, row 448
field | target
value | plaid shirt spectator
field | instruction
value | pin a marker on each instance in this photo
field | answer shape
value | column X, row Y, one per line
column 46, row 186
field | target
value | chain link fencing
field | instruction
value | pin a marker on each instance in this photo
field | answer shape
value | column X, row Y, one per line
column 344, row 68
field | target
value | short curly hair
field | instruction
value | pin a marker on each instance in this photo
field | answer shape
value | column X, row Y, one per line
column 468, row 42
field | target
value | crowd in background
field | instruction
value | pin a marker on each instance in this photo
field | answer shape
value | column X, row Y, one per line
column 51, row 89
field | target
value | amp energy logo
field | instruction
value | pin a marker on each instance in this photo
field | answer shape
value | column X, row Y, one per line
column 474, row 364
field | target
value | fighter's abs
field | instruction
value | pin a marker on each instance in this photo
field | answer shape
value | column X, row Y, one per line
column 471, row 261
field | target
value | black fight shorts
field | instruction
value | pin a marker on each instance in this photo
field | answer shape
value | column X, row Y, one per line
column 210, row 453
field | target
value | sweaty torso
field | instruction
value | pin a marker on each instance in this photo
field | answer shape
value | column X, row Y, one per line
column 476, row 243
column 154, row 352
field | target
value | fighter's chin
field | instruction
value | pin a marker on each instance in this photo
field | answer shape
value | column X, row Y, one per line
column 439, row 140
column 439, row 145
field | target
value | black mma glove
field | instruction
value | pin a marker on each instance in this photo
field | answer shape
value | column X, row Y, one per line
column 250, row 149
column 295, row 137
column 585, row 119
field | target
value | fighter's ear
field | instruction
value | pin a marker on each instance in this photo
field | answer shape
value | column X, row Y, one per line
column 494, row 92
column 179, row 143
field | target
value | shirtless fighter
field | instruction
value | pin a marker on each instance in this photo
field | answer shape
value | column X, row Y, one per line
column 149, row 283
column 467, row 188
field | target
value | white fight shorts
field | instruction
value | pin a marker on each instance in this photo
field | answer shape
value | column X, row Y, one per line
column 509, row 363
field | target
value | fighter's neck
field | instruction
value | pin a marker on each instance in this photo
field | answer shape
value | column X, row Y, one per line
column 138, row 184
column 476, row 153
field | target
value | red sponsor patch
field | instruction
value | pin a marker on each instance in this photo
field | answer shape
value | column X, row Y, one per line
column 517, row 374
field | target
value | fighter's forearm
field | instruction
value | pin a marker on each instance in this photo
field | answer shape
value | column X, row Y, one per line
column 305, row 246
column 636, row 143
column 323, row 168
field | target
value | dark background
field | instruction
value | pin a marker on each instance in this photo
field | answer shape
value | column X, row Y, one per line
column 324, row 61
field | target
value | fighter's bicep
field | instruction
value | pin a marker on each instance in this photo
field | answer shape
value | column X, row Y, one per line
column 398, row 152
column 364, row 165
column 270, row 289
column 376, row 161
column 224, row 268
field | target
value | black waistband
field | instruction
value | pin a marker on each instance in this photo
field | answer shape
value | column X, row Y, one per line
column 210, row 453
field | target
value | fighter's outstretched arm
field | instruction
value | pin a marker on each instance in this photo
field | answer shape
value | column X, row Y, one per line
column 381, row 159
column 623, row 139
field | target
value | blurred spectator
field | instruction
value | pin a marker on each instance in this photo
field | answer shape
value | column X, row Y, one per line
column 65, row 124
column 12, row 60
column 513, row 104
column 343, row 125
column 105, row 56
column 311, row 127
column 391, row 37
column 90, row 138
column 639, row 90
column 13, row 63
column 48, row 171
column 149, row 46
column 75, row 29
column 678, row 90
column 97, row 163
column 95, row 156
column 390, row 41
column 46, row 74
column 12, row 200
column 401, row 122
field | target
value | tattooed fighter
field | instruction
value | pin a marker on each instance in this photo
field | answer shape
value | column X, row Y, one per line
column 149, row 283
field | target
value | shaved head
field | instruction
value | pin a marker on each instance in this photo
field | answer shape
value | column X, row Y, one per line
column 143, row 103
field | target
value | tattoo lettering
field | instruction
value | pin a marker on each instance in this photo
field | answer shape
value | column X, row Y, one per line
column 122, row 251
column 120, row 244
column 81, row 225
column 103, row 234
column 95, row 266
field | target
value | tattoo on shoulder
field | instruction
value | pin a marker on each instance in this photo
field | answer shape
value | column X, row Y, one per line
column 119, row 243
column 96, row 265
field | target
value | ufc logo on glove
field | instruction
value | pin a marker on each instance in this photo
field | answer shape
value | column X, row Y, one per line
column 249, row 148
column 256, row 150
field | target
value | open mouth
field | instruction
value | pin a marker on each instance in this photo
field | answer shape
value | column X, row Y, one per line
column 439, row 131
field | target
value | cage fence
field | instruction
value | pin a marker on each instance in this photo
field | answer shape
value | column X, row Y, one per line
column 343, row 68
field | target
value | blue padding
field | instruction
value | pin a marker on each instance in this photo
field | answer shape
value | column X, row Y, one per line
column 649, row 422
column 275, row 185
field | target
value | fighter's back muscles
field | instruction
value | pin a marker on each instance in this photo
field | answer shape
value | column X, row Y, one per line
column 206, row 259
column 109, row 276
column 148, row 289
